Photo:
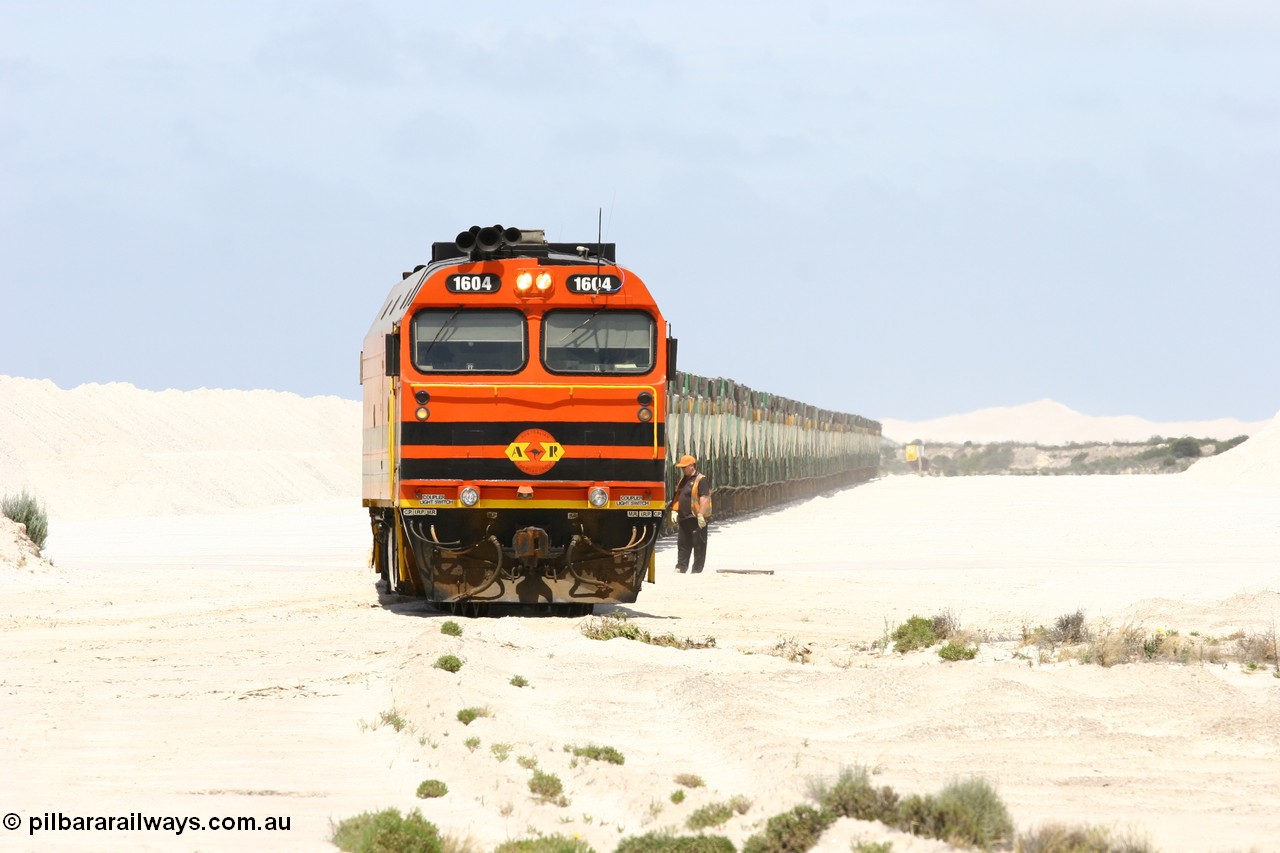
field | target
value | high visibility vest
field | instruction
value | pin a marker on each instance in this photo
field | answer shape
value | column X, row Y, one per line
column 697, row 481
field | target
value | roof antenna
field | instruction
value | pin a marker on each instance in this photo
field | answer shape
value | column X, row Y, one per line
column 599, row 236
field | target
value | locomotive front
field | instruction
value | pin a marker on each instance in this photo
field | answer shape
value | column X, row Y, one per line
column 514, row 446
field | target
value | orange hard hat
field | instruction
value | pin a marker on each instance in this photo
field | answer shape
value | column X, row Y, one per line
column 686, row 461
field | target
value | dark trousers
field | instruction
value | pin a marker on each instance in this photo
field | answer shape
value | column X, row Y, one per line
column 691, row 537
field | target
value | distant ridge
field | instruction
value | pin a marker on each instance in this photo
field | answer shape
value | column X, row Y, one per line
column 1047, row 422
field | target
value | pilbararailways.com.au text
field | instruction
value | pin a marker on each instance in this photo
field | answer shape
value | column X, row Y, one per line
column 140, row 822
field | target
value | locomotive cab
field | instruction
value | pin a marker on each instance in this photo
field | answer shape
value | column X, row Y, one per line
column 514, row 419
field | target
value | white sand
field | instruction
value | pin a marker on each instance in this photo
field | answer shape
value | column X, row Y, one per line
column 222, row 664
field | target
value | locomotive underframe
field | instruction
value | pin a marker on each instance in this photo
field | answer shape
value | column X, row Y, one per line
column 533, row 556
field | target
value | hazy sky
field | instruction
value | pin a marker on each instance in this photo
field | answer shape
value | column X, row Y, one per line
column 901, row 210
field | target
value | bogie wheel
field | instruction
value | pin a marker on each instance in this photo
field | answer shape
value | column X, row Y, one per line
column 387, row 569
column 384, row 572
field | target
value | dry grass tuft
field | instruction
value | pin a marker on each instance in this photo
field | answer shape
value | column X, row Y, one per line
column 618, row 625
column 1056, row 838
column 789, row 648
column 946, row 625
column 689, row 780
column 1071, row 628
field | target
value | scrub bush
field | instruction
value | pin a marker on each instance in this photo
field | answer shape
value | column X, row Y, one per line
column 598, row 753
column 387, row 830
column 546, row 786
column 712, row 814
column 657, row 842
column 790, row 832
column 432, row 788
column 969, row 812
column 1070, row 628
column 854, row 796
column 915, row 633
column 467, row 716
column 25, row 509
column 955, row 651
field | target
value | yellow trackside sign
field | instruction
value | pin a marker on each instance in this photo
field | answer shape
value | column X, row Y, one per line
column 911, row 452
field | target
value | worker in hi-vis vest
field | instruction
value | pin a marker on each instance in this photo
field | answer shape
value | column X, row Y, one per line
column 690, row 512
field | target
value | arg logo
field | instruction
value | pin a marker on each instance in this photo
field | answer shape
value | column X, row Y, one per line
column 535, row 451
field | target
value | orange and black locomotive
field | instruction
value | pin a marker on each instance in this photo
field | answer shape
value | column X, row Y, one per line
column 514, row 418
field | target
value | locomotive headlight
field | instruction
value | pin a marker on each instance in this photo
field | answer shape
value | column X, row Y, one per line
column 598, row 497
column 524, row 281
column 422, row 414
column 645, row 415
column 469, row 496
column 543, row 281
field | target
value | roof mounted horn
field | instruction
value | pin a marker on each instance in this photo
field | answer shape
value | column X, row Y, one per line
column 500, row 242
column 478, row 243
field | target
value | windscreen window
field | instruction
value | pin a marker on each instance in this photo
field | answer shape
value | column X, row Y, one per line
column 454, row 340
column 599, row 341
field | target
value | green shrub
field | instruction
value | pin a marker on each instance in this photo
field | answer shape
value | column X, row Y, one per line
column 519, row 681
column 1185, row 448
column 854, row 796
column 790, row 832
column 954, row 651
column 714, row 814
column 386, row 831
column 1224, row 446
column 472, row 743
column 432, row 788
column 453, row 629
column 545, row 786
column 599, row 753
column 24, row 508
column 969, row 811
column 662, row 842
column 918, row 814
column 545, row 844
column 689, row 780
column 449, row 663
column 467, row 716
column 976, row 812
column 677, row 796
column 915, row 633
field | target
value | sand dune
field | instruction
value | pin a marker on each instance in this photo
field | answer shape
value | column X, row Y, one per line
column 107, row 451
